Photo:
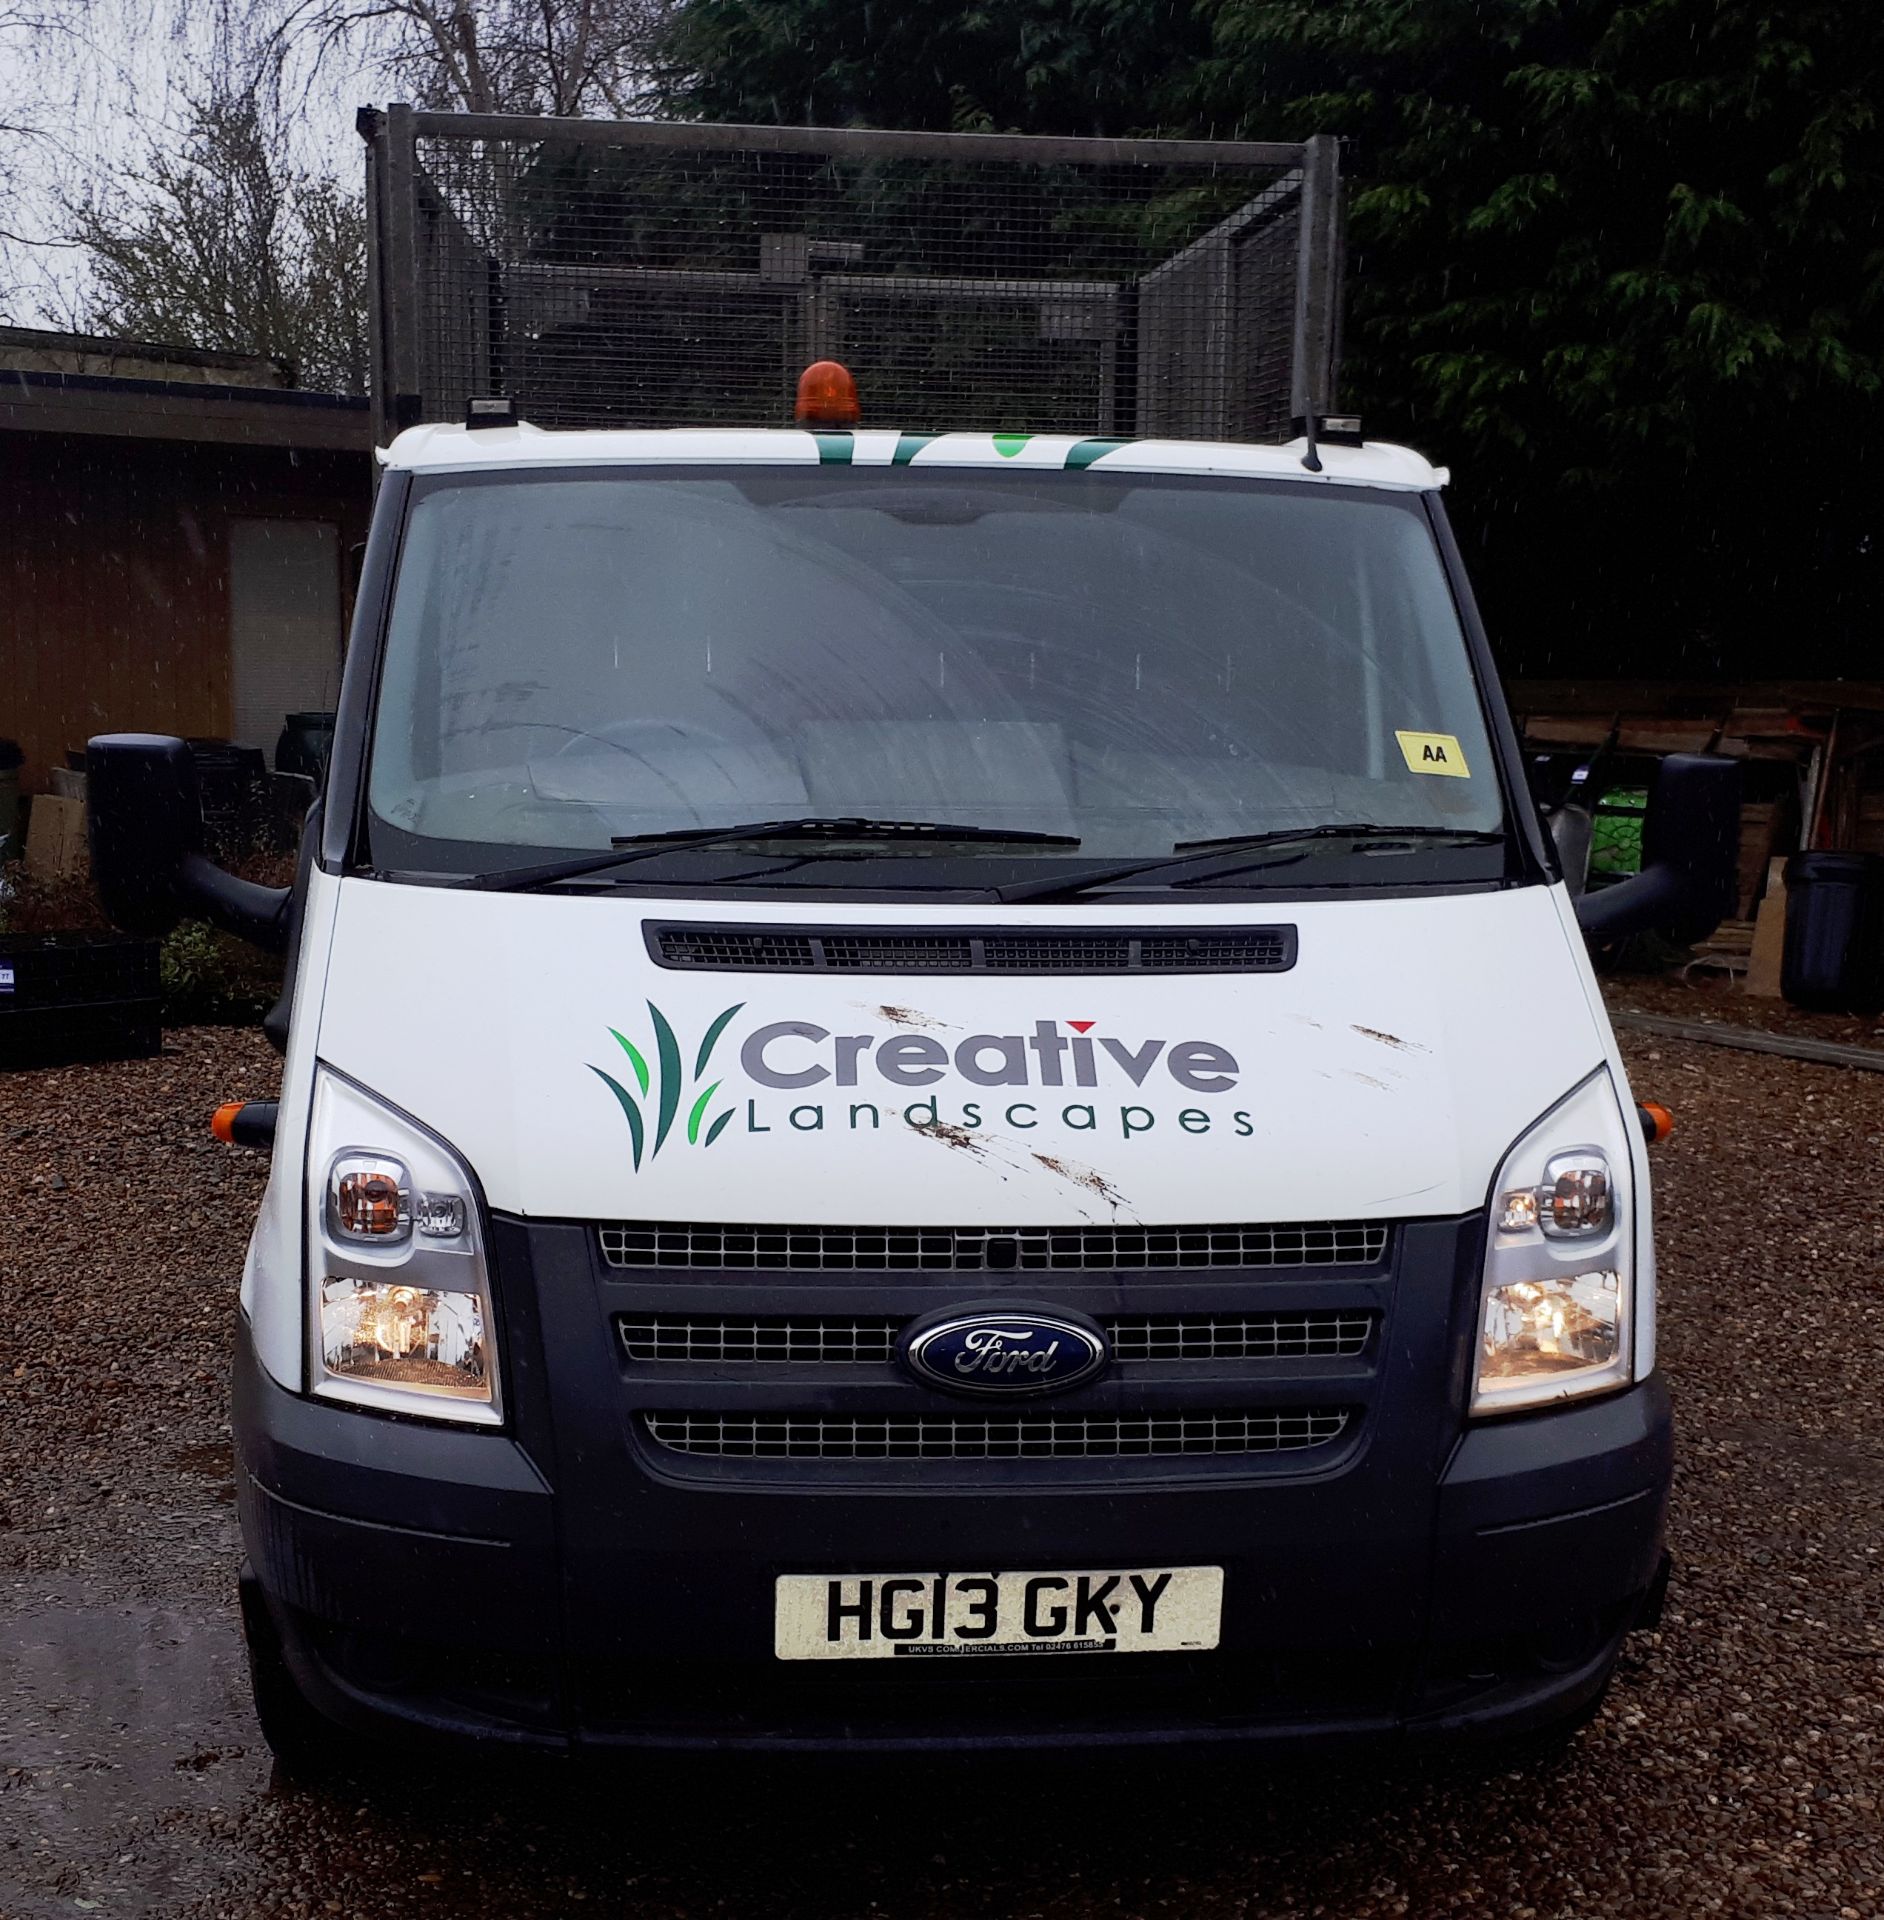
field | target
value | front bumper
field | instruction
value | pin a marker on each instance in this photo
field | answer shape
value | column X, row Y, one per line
column 547, row 1587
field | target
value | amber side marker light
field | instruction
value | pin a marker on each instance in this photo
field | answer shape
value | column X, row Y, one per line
column 827, row 396
column 1657, row 1122
column 245, row 1123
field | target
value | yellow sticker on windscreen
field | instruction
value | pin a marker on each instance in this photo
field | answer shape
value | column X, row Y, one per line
column 1434, row 753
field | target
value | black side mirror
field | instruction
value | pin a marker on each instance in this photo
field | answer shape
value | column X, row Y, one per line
column 146, row 827
column 1690, row 856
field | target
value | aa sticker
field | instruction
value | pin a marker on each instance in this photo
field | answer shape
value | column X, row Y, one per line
column 1434, row 753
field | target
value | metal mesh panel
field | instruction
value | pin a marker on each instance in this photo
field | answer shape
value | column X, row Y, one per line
column 640, row 275
column 836, row 1249
column 685, row 1340
column 1027, row 1437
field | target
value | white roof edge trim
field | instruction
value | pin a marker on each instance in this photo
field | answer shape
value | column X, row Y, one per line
column 455, row 449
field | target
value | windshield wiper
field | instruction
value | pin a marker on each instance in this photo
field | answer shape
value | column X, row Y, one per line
column 631, row 847
column 1368, row 831
column 1202, row 853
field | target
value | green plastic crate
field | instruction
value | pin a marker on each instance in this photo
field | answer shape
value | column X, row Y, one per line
column 1616, row 841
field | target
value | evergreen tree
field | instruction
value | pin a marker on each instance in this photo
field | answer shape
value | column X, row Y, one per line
column 1102, row 67
column 1623, row 267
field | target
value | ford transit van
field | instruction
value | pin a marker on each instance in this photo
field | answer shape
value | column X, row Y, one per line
column 939, row 1091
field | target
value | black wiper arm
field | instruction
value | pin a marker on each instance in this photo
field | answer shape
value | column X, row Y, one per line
column 1190, row 853
column 850, row 827
column 1336, row 830
column 629, row 848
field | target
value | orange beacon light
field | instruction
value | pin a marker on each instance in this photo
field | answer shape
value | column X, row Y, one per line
column 827, row 396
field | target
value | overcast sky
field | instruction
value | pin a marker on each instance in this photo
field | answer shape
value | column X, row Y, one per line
column 87, row 89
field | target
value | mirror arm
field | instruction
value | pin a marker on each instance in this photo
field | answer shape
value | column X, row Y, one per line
column 241, row 907
column 278, row 1018
column 1635, row 905
column 1690, row 846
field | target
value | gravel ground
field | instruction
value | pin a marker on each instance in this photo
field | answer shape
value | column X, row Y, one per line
column 1713, row 997
column 1735, row 1769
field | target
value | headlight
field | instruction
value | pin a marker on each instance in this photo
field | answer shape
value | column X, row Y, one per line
column 400, row 1309
column 1557, row 1306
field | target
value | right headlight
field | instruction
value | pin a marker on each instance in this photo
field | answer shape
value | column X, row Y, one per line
column 399, row 1314
column 1557, row 1306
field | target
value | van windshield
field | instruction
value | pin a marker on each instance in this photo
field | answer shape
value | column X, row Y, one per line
column 1125, row 662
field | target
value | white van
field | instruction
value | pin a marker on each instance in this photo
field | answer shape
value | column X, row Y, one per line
column 940, row 1092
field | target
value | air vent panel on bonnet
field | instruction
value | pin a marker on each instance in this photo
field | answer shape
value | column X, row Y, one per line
column 701, row 947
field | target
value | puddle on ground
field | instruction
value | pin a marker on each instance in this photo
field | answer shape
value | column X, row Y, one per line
column 125, row 1738
column 213, row 1461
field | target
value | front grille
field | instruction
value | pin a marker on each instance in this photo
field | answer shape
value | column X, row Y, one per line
column 715, row 1245
column 1266, row 1336
column 909, row 951
column 718, row 1342
column 1023, row 1437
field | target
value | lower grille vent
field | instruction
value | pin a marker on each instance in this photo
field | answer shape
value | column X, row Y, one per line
column 1103, row 1249
column 1026, row 1437
column 1265, row 1336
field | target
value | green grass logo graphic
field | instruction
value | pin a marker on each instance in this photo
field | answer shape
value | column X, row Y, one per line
column 664, row 1086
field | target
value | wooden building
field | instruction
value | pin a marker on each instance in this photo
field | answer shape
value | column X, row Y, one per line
column 1811, row 753
column 179, row 535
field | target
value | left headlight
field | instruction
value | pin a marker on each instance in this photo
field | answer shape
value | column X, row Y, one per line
column 1557, row 1308
column 399, row 1308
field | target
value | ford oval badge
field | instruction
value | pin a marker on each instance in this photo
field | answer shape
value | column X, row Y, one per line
column 995, row 1351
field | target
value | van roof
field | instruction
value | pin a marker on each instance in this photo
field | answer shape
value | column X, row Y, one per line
column 457, row 449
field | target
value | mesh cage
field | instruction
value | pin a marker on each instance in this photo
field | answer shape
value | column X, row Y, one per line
column 639, row 274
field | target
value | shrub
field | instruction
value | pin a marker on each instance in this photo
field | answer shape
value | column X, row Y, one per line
column 210, row 979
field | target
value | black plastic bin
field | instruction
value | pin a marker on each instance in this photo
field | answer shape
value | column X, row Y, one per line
column 306, row 741
column 1834, row 955
column 232, row 783
column 66, row 997
column 11, row 760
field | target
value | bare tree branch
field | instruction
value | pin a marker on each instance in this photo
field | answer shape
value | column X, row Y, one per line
column 490, row 56
column 227, row 246
column 564, row 57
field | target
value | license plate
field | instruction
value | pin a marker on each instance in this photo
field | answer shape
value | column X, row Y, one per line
column 952, row 1616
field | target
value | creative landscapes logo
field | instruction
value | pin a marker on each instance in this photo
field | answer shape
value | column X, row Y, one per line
column 665, row 1086
column 1059, row 1074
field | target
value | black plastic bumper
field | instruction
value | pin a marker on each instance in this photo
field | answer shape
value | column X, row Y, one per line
column 551, row 1591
